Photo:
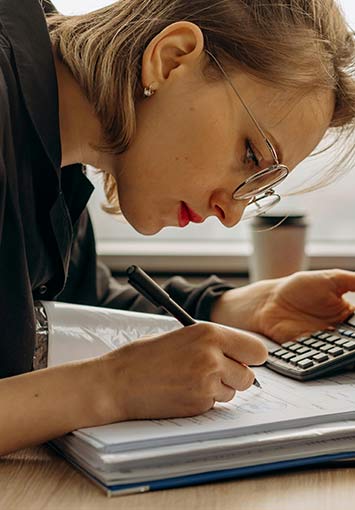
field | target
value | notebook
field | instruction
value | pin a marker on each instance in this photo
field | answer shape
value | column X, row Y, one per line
column 285, row 424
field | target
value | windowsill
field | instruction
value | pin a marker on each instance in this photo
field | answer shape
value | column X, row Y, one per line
column 207, row 257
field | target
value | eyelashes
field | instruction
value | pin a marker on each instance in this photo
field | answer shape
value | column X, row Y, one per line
column 250, row 155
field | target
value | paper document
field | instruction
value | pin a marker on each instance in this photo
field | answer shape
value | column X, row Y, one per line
column 79, row 332
column 281, row 403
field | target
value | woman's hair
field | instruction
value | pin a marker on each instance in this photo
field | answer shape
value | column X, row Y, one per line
column 294, row 44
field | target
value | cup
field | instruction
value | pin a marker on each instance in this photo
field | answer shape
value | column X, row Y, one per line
column 278, row 246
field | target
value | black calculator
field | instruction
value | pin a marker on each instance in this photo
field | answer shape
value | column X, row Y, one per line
column 319, row 354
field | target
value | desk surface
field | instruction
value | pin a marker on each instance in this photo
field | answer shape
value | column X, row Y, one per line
column 37, row 479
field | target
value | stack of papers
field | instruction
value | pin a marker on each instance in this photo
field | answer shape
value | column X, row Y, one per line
column 286, row 423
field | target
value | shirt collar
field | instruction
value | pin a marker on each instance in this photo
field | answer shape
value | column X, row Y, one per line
column 30, row 42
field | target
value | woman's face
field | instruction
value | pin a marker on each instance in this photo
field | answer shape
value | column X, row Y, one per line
column 195, row 143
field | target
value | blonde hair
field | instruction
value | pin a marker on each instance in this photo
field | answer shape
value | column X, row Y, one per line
column 295, row 44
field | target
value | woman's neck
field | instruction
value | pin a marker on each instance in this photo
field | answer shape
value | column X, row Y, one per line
column 79, row 126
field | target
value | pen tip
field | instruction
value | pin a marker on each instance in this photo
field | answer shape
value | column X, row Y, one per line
column 256, row 383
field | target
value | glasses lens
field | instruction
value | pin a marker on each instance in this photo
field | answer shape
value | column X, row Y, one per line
column 260, row 206
column 260, row 182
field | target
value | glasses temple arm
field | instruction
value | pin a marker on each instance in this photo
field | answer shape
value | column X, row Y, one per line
column 261, row 131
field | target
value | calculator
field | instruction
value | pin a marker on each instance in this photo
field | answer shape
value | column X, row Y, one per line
column 318, row 354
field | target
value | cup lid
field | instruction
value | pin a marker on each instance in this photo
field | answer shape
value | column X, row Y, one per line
column 270, row 220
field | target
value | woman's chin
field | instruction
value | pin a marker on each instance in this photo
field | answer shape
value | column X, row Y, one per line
column 147, row 230
column 142, row 225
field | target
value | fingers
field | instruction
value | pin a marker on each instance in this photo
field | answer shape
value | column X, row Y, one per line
column 243, row 347
column 237, row 376
column 343, row 280
column 225, row 394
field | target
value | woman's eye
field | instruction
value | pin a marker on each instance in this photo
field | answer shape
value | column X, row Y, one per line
column 250, row 154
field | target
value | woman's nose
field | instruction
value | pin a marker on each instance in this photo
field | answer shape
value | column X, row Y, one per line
column 227, row 210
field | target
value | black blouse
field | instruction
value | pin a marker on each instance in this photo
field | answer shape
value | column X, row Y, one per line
column 47, row 245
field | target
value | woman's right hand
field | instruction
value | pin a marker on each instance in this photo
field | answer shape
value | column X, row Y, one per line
column 177, row 374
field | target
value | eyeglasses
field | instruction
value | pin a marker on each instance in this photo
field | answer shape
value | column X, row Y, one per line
column 258, row 188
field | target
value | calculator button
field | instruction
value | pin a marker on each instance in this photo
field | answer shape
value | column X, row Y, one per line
column 295, row 347
column 305, row 363
column 335, row 351
column 303, row 350
column 275, row 349
column 286, row 345
column 323, row 336
column 350, row 346
column 346, row 332
column 318, row 345
column 280, row 353
column 320, row 357
column 326, row 347
column 333, row 338
column 303, row 356
column 316, row 333
column 303, row 339
column 309, row 341
column 343, row 341
column 288, row 356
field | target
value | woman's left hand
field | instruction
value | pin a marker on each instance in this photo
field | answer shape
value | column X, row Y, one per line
column 286, row 308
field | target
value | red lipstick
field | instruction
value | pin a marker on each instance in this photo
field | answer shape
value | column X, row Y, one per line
column 186, row 214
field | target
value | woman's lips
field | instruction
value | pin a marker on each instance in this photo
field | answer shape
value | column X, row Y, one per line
column 186, row 214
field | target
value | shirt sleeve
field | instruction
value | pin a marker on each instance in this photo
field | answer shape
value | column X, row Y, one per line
column 197, row 300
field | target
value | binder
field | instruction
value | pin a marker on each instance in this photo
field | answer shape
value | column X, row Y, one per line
column 285, row 425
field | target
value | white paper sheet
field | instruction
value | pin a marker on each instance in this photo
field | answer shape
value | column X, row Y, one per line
column 281, row 403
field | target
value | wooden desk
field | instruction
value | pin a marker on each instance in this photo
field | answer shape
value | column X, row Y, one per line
column 37, row 479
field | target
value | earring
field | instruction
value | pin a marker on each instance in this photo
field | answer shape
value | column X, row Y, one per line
column 149, row 91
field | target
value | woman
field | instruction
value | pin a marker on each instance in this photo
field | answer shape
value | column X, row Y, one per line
column 180, row 103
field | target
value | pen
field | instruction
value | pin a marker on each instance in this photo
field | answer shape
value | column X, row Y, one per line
column 159, row 297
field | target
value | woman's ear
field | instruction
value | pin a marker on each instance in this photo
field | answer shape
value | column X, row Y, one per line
column 174, row 50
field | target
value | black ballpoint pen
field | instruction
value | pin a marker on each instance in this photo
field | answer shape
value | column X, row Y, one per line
column 160, row 298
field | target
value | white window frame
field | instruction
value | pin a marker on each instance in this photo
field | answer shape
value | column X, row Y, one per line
column 206, row 257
